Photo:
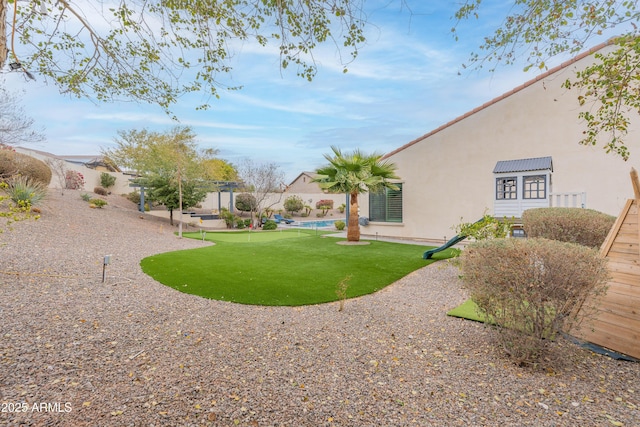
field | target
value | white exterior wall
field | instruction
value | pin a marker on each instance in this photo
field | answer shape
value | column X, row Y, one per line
column 510, row 208
column 447, row 175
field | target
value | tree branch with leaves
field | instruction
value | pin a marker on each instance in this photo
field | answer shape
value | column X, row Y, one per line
column 542, row 29
column 156, row 51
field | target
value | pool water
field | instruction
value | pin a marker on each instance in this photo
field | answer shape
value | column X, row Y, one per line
column 317, row 224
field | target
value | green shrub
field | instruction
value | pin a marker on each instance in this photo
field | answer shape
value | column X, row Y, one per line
column 22, row 189
column 532, row 288
column 488, row 227
column 246, row 202
column 107, row 180
column 97, row 203
column 12, row 164
column 293, row 204
column 101, row 191
column 85, row 196
column 269, row 225
column 339, row 225
column 342, row 208
column 134, row 197
column 583, row 226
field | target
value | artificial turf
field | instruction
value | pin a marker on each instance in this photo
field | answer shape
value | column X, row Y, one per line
column 289, row 267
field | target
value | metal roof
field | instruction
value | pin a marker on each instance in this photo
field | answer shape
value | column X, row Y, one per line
column 524, row 165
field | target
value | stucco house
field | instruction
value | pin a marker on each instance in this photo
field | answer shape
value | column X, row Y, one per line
column 303, row 184
column 517, row 151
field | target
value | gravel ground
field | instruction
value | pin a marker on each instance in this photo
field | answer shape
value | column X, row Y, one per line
column 132, row 352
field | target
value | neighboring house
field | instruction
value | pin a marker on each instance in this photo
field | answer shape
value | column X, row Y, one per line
column 99, row 163
column 515, row 152
column 303, row 184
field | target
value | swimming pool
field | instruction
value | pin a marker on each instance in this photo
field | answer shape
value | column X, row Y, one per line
column 317, row 224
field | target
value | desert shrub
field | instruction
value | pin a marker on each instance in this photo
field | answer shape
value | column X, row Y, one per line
column 324, row 204
column 97, row 203
column 293, row 204
column 488, row 227
column 73, row 180
column 269, row 225
column 307, row 210
column 100, row 190
column 85, row 196
column 532, row 289
column 246, row 202
column 339, row 225
column 228, row 217
column 342, row 208
column 583, row 226
column 13, row 163
column 107, row 180
column 22, row 190
column 134, row 197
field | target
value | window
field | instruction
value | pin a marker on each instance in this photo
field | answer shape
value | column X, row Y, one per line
column 386, row 206
column 534, row 187
column 506, row 188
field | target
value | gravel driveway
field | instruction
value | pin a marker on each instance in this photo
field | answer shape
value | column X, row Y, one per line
column 131, row 352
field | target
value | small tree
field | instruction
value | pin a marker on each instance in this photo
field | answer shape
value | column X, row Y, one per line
column 107, row 180
column 293, row 204
column 246, row 202
column 325, row 206
column 261, row 181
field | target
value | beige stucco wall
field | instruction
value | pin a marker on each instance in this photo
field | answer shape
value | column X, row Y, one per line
column 91, row 176
column 448, row 175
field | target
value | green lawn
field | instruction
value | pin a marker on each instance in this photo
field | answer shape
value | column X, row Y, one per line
column 288, row 267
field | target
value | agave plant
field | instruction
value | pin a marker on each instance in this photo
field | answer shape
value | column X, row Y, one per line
column 23, row 190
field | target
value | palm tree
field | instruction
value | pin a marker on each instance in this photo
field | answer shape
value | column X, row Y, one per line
column 354, row 173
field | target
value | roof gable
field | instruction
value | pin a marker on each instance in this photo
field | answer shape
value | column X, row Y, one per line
column 503, row 96
column 524, row 165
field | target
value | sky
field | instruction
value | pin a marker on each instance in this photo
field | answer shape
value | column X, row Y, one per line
column 407, row 80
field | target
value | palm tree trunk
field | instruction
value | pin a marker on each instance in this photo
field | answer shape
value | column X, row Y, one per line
column 353, row 229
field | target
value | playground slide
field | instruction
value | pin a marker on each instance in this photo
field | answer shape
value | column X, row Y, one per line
column 453, row 241
column 456, row 239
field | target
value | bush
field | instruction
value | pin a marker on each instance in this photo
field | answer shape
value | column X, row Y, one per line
column 488, row 227
column 73, row 180
column 23, row 190
column 246, row 202
column 12, row 164
column 324, row 206
column 85, row 196
column 97, row 203
column 101, row 191
column 134, row 197
column 583, row 226
column 293, row 204
column 339, row 225
column 107, row 180
column 532, row 289
column 269, row 225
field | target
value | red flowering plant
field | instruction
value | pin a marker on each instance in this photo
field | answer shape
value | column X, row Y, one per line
column 73, row 180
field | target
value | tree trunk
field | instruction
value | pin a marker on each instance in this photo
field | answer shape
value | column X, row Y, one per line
column 4, row 50
column 353, row 228
column 171, row 216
